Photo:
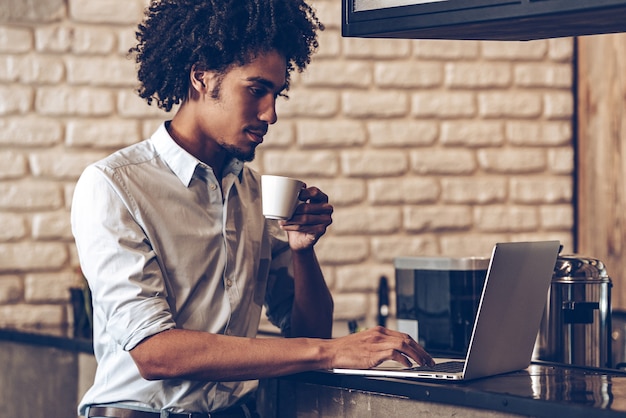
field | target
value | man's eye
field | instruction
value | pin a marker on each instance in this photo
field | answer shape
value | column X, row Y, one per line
column 258, row 92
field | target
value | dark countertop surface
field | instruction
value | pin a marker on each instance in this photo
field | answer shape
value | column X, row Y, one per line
column 542, row 390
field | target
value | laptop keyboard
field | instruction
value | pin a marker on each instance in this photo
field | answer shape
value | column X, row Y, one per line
column 446, row 367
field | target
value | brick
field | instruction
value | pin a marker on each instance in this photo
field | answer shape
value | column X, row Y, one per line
column 376, row 48
column 32, row 256
column 50, row 287
column 366, row 220
column 15, row 99
column 382, row 104
column 506, row 218
column 537, row 133
column 280, row 135
column 472, row 133
column 15, row 40
column 340, row 133
column 341, row 191
column 125, row 38
column 10, row 68
column 386, row 249
column 114, row 12
column 403, row 74
column 329, row 44
column 565, row 237
column 445, row 49
column 374, row 163
column 561, row 49
column 559, row 105
column 363, row 277
column 95, row 40
column 350, row 306
column 30, row 131
column 437, row 218
column 479, row 190
column 52, row 226
column 514, row 51
column 68, row 193
column 13, row 227
column 33, row 11
column 130, row 105
column 556, row 217
column 63, row 100
column 29, row 195
column 98, row 133
column 442, row 161
column 114, row 71
column 12, row 165
column 62, row 166
column 41, row 70
column 518, row 104
column 309, row 104
column 542, row 190
column 471, row 244
column 402, row 190
column 543, row 75
column 477, row 75
column 443, row 104
column 342, row 74
column 29, row 315
column 328, row 12
column 54, row 38
column 11, row 289
column 301, row 163
column 149, row 126
column 561, row 160
column 512, row 160
column 342, row 250
column 402, row 133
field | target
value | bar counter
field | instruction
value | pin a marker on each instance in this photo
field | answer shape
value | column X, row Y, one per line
column 542, row 390
column 52, row 367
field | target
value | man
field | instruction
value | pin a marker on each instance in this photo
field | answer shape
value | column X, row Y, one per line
column 171, row 236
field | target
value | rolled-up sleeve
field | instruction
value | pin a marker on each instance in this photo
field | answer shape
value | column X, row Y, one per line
column 118, row 261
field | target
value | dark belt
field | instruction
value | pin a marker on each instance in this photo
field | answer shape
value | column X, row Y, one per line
column 112, row 412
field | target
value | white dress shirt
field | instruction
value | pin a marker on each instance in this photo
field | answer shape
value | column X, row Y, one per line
column 162, row 248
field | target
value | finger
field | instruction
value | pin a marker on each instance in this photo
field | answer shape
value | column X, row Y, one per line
column 323, row 210
column 410, row 348
column 313, row 194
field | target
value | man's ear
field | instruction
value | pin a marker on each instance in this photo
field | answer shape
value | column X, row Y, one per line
column 199, row 79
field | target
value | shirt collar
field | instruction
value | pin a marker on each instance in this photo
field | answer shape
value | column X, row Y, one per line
column 182, row 163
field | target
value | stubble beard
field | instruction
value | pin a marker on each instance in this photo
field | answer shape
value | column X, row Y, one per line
column 234, row 152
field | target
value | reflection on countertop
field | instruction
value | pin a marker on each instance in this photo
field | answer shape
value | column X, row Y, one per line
column 541, row 390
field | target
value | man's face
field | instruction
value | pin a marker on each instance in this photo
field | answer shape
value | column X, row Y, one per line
column 240, row 105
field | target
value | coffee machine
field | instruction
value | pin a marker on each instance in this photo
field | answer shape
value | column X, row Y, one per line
column 437, row 300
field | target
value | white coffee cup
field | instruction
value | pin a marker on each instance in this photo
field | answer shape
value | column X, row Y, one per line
column 280, row 196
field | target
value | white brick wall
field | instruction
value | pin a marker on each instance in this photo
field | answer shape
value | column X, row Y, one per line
column 425, row 147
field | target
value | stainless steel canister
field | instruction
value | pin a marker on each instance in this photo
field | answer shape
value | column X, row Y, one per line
column 576, row 324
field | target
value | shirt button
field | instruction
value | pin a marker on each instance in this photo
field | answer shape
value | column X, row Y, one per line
column 229, row 283
column 212, row 186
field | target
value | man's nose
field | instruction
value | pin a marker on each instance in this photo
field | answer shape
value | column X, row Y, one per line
column 268, row 111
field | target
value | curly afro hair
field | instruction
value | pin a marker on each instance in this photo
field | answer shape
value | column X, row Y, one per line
column 176, row 35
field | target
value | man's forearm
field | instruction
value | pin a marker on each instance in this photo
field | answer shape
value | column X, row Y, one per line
column 312, row 314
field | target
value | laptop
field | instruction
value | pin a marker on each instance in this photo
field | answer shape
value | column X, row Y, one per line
column 506, row 325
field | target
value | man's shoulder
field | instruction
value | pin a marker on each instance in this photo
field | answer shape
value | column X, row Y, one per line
column 131, row 155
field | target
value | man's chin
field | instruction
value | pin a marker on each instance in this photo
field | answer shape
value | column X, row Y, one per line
column 239, row 154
